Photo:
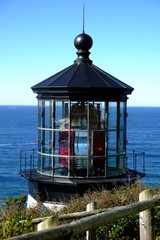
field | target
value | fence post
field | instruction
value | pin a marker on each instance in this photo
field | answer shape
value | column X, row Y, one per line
column 48, row 223
column 146, row 226
column 91, row 235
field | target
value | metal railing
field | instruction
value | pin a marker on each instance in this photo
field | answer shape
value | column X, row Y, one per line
column 28, row 161
column 135, row 160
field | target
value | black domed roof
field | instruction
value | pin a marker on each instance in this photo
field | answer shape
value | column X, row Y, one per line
column 83, row 80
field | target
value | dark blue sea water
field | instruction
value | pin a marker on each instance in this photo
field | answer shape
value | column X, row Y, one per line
column 144, row 135
column 18, row 130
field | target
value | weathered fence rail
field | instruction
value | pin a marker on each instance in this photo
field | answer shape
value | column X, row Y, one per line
column 92, row 222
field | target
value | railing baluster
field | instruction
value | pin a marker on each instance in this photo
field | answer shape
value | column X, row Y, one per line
column 33, row 158
column 135, row 156
column 144, row 162
column 31, row 165
column 25, row 162
column 134, row 160
column 20, row 160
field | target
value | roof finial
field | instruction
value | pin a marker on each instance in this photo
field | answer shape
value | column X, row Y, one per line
column 83, row 42
column 83, row 15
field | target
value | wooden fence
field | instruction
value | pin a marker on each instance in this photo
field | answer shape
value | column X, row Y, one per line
column 48, row 228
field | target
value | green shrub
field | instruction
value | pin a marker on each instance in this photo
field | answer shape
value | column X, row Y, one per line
column 12, row 215
column 125, row 229
column 119, row 196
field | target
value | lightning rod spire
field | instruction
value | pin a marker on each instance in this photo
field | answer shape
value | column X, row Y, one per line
column 83, row 16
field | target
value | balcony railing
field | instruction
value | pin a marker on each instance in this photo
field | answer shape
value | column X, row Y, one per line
column 28, row 162
column 135, row 161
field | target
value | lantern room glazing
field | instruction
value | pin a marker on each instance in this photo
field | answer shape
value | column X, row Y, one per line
column 81, row 139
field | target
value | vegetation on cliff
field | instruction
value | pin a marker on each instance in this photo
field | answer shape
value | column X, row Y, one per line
column 14, row 210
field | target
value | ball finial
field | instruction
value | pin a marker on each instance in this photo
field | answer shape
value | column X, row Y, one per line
column 83, row 42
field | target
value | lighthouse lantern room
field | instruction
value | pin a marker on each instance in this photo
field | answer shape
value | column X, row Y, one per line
column 81, row 130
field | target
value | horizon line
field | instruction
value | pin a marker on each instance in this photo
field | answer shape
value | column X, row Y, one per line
column 34, row 105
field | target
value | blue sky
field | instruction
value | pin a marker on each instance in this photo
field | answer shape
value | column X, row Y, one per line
column 36, row 41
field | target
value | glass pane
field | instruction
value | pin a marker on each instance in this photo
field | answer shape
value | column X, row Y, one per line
column 122, row 147
column 39, row 140
column 40, row 110
column 112, row 142
column 98, row 143
column 47, row 114
column 61, row 169
column 56, row 143
column 63, row 142
column 122, row 150
column 112, row 115
column 80, row 143
column 58, row 114
column 47, row 165
column 64, row 121
column 97, row 166
column 112, row 166
column 78, row 167
column 112, row 161
column 61, row 120
column 112, row 149
column 122, row 115
column 96, row 115
column 46, row 141
column 79, row 118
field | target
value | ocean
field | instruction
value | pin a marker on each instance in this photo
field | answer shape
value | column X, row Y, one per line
column 18, row 131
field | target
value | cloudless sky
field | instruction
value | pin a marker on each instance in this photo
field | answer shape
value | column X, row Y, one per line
column 36, row 41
